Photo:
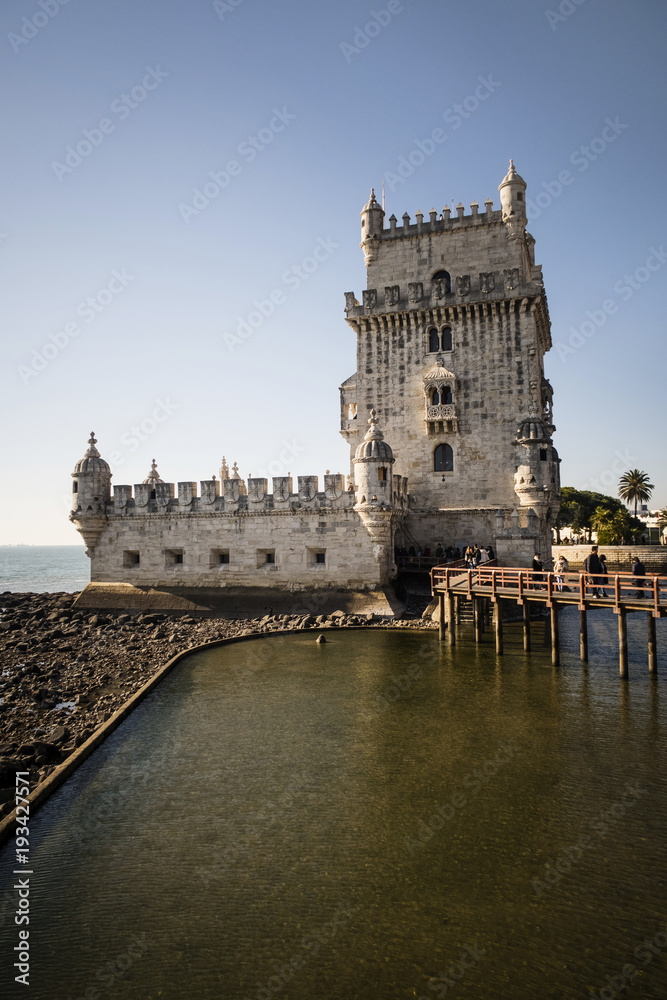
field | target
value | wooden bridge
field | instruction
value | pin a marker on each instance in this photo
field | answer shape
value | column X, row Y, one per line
column 485, row 587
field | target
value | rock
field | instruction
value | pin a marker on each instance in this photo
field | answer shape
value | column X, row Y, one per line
column 59, row 734
column 320, row 639
column 337, row 614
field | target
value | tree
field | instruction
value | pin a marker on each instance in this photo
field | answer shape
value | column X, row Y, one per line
column 578, row 508
column 635, row 486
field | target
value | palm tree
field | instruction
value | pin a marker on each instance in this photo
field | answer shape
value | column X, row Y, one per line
column 635, row 485
column 601, row 521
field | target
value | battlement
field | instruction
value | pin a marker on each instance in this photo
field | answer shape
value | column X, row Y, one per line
column 441, row 223
column 237, row 495
column 485, row 286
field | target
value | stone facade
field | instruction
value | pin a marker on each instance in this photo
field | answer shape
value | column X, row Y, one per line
column 451, row 336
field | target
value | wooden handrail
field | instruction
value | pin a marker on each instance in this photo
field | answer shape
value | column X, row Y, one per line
column 648, row 589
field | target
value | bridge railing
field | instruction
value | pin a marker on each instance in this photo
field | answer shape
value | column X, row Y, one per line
column 649, row 591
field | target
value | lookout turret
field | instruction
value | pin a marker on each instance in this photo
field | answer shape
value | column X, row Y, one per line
column 372, row 224
column 512, row 190
column 373, row 460
column 91, row 490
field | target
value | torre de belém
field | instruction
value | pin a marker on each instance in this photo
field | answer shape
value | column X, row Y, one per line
column 448, row 417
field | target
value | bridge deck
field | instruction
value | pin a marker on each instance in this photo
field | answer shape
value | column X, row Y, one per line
column 583, row 590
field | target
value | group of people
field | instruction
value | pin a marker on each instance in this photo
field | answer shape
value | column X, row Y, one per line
column 472, row 554
column 475, row 556
column 595, row 565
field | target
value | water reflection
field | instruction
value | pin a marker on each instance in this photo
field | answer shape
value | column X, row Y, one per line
column 378, row 817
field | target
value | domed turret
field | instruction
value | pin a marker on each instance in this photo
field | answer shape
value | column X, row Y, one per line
column 91, row 487
column 372, row 224
column 153, row 476
column 91, row 491
column 373, row 460
column 513, row 196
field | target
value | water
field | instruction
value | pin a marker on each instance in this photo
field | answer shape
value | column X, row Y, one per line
column 43, row 569
column 266, row 825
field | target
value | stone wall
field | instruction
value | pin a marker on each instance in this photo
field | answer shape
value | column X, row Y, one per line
column 299, row 549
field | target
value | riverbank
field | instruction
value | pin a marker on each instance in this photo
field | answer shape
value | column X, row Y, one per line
column 66, row 671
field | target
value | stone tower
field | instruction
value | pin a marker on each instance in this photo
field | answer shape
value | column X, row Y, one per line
column 451, row 334
column 91, row 491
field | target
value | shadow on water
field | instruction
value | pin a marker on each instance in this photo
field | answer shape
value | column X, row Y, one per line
column 377, row 817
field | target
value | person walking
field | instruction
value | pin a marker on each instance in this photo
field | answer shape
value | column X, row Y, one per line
column 593, row 567
column 537, row 568
column 638, row 570
column 561, row 566
column 605, row 574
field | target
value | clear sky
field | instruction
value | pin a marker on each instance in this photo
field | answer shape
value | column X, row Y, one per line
column 123, row 288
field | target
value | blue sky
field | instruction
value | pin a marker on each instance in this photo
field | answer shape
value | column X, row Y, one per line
column 136, row 285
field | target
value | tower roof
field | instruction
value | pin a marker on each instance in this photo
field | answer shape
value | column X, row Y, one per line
column 531, row 429
column 374, row 445
column 153, row 476
column 372, row 204
column 511, row 177
column 91, row 461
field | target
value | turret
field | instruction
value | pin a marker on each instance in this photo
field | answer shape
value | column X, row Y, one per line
column 373, row 460
column 372, row 224
column 537, row 478
column 513, row 198
column 91, row 491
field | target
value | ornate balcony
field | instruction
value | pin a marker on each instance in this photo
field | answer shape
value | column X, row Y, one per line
column 445, row 411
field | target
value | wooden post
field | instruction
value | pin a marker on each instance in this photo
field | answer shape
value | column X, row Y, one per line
column 499, row 626
column 526, row 626
column 652, row 648
column 476, row 610
column 555, row 645
column 583, row 636
column 458, row 610
column 441, row 616
column 622, row 642
column 452, row 617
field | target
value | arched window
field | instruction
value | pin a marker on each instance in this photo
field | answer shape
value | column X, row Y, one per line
column 447, row 338
column 435, row 398
column 446, row 395
column 445, row 277
column 443, row 458
column 433, row 341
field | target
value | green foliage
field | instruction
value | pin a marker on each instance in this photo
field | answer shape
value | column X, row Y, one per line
column 662, row 518
column 634, row 486
column 616, row 527
column 579, row 508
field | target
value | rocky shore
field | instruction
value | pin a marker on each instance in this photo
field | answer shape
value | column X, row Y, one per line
column 63, row 672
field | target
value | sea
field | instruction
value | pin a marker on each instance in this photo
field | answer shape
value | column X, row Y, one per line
column 43, row 569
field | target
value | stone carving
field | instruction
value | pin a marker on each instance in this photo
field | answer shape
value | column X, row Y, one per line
column 463, row 284
column 370, row 298
column 439, row 288
column 416, row 291
column 350, row 300
column 511, row 277
column 487, row 281
column 446, row 411
column 392, row 295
